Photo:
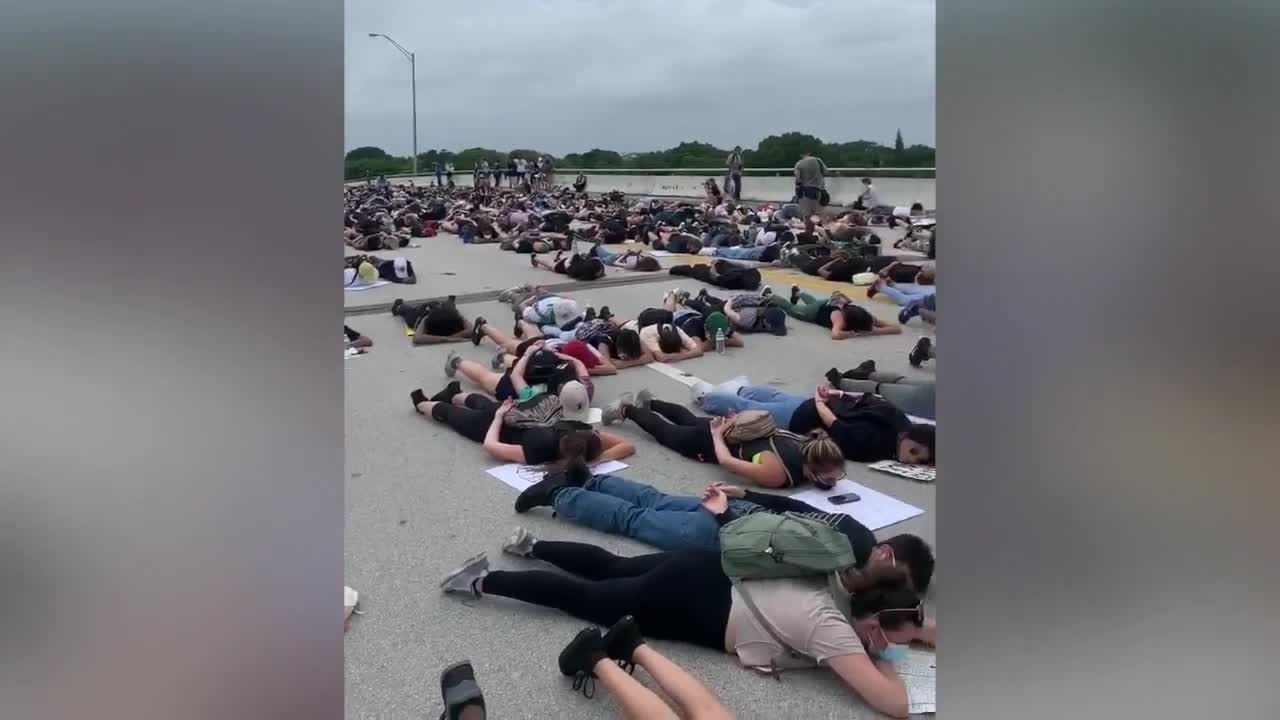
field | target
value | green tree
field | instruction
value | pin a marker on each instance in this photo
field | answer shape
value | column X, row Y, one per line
column 367, row 152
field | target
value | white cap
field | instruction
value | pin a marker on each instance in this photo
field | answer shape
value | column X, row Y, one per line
column 575, row 401
column 402, row 268
column 565, row 311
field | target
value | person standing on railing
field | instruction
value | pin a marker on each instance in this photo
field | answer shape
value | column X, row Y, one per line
column 733, row 173
column 810, row 184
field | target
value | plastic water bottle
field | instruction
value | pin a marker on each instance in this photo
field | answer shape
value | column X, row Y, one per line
column 720, row 342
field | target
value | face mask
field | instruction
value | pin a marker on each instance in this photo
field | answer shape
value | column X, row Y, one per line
column 894, row 654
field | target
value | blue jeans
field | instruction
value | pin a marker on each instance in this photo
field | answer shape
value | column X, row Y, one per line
column 781, row 406
column 753, row 252
column 606, row 256
column 905, row 293
column 619, row 506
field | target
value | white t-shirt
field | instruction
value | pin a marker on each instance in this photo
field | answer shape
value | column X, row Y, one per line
column 904, row 213
column 801, row 612
column 649, row 336
column 870, row 197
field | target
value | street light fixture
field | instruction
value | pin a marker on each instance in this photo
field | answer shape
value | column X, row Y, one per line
column 413, row 70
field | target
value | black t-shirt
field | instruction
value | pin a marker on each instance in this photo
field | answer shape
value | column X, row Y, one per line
column 443, row 322
column 866, row 428
column 904, row 273
column 541, row 445
column 785, row 447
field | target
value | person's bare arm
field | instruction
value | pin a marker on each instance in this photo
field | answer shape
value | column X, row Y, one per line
column 615, row 447
column 361, row 341
column 825, row 415
column 837, row 327
column 875, row 681
column 767, row 473
column 494, row 446
column 517, row 371
column 604, row 367
column 880, row 327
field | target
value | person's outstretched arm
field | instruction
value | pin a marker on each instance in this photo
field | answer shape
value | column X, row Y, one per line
column 875, row 681
column 880, row 327
column 615, row 447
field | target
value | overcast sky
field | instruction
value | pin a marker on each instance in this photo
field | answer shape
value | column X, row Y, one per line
column 569, row 75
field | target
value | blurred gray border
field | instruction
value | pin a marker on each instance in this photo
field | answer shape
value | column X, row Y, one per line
column 1108, row 400
column 171, row 509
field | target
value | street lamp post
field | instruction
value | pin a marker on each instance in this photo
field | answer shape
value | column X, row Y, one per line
column 413, row 70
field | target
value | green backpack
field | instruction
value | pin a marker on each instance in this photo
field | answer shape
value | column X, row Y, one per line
column 772, row 545
column 782, row 545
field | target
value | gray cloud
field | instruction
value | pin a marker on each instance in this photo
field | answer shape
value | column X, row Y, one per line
column 569, row 75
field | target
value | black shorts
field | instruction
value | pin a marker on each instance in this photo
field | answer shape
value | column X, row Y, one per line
column 505, row 388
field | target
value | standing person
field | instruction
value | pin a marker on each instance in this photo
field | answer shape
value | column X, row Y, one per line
column 522, row 166
column 497, row 174
column 733, row 173
column 512, row 175
column 448, row 173
column 810, row 184
column 580, row 184
column 439, row 172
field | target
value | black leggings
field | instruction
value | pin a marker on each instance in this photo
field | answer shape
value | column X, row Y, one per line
column 472, row 421
column 705, row 304
column 679, row 595
column 676, row 427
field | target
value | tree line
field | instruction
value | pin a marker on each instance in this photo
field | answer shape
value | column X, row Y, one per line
column 774, row 151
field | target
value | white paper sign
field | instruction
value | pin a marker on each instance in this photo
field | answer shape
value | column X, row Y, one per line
column 520, row 477
column 919, row 672
column 873, row 509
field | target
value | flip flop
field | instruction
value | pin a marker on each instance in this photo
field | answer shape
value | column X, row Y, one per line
column 459, row 688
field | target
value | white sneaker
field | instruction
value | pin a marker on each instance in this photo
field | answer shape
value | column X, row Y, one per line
column 463, row 580
column 520, row 543
column 699, row 391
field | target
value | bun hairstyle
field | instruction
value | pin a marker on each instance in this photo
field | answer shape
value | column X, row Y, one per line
column 818, row 450
column 669, row 339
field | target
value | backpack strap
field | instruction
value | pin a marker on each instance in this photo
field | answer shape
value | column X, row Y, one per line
column 774, row 671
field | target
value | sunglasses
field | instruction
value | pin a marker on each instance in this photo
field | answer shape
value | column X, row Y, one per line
column 918, row 610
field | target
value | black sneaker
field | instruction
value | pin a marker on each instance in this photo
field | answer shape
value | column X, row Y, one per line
column 476, row 331
column 417, row 397
column 605, row 312
column 589, row 314
column 519, row 329
column 621, row 641
column 795, row 294
column 921, row 352
column 460, row 690
column 541, row 493
column 395, row 305
column 834, row 377
column 579, row 658
column 864, row 370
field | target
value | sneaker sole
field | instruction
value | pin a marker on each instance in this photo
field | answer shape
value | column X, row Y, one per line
column 461, row 570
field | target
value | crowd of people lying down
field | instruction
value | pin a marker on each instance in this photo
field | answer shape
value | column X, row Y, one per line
column 853, row 607
column 587, row 233
column 530, row 403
